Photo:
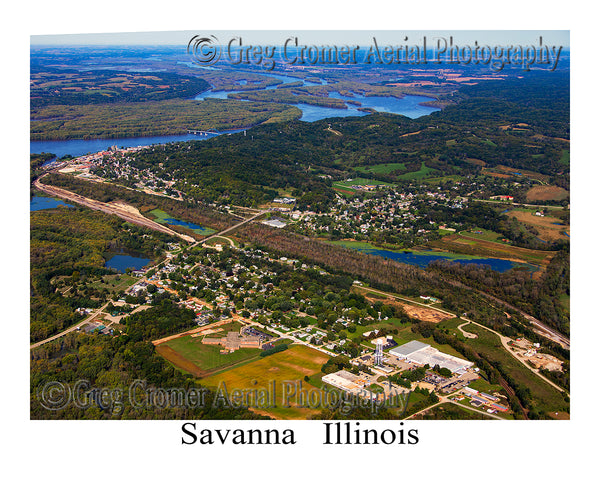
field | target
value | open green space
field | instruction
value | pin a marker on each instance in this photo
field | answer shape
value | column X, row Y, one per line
column 483, row 234
column 444, row 179
column 484, row 386
column 565, row 157
column 114, row 283
column 565, row 301
column 422, row 172
column 383, row 168
column 208, row 357
column 359, row 181
column 543, row 396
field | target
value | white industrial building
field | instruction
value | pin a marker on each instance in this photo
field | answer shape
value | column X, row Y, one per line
column 423, row 354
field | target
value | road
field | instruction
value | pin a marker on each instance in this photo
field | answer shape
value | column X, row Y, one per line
column 503, row 339
column 127, row 213
column 541, row 207
column 71, row 329
column 447, row 400
column 227, row 230
column 51, row 190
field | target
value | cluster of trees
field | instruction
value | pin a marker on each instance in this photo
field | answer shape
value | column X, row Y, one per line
column 379, row 272
column 115, row 364
column 538, row 297
column 146, row 119
column 54, row 86
column 190, row 211
column 278, row 348
column 72, row 246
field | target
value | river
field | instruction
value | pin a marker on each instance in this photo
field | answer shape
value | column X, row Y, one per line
column 408, row 106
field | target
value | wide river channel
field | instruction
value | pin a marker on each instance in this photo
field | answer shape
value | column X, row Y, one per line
column 409, row 106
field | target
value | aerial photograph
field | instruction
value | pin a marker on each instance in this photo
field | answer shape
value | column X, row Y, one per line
column 300, row 225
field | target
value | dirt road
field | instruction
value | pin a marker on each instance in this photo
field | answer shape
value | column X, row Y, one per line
column 126, row 212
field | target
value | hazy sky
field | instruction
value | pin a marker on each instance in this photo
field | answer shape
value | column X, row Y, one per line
column 315, row 37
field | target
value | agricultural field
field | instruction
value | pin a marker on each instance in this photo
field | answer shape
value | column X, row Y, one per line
column 546, row 192
column 291, row 365
column 548, row 227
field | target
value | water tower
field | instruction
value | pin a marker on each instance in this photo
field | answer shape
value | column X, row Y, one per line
column 379, row 352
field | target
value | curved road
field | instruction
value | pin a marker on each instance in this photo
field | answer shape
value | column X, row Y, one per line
column 503, row 339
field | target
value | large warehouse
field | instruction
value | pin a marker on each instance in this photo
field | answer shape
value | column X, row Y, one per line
column 423, row 354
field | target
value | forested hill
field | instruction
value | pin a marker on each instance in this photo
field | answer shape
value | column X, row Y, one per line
column 494, row 124
column 539, row 99
column 73, row 87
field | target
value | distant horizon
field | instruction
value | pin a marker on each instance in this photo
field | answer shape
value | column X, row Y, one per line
column 320, row 37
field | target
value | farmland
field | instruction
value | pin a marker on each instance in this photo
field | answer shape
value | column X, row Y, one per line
column 546, row 192
column 547, row 227
column 288, row 366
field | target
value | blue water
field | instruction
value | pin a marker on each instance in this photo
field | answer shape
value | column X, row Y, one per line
column 76, row 148
column 123, row 262
column 44, row 203
column 409, row 105
column 424, row 260
column 192, row 226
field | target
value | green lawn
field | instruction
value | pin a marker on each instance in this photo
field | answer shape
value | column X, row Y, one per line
column 383, row 168
column 208, row 357
column 565, row 158
column 114, row 283
column 424, row 171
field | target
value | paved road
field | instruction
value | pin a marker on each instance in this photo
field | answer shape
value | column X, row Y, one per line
column 71, row 329
column 447, row 400
column 143, row 279
column 503, row 339
column 223, row 232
